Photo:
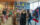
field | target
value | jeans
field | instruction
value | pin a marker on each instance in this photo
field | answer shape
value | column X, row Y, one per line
column 29, row 21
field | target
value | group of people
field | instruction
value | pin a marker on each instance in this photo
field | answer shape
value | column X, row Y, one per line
column 25, row 14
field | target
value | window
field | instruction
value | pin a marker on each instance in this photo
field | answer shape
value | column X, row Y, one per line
column 39, row 3
column 33, row 6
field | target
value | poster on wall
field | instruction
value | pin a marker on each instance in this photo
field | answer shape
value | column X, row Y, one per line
column 18, row 3
column 23, row 5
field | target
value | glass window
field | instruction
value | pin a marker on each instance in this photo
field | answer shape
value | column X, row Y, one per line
column 31, row 6
column 35, row 5
column 39, row 3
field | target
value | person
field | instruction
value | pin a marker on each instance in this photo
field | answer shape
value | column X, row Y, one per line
column 37, row 11
column 36, row 14
column 10, row 13
column 23, row 18
column 30, row 18
column 14, row 18
column 4, row 12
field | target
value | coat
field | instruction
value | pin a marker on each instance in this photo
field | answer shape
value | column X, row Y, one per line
column 4, row 12
column 23, row 19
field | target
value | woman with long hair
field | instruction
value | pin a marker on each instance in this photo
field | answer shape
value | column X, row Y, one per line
column 23, row 18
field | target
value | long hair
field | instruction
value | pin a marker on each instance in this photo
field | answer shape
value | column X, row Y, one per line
column 28, row 11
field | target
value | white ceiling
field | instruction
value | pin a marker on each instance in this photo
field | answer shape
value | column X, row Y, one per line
column 21, row 0
column 27, row 1
column 33, row 1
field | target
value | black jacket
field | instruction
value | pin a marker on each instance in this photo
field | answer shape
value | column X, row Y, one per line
column 4, row 12
column 23, row 15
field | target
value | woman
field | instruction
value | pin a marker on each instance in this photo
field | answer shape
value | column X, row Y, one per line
column 30, row 18
column 23, row 18
column 10, row 13
column 4, row 14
